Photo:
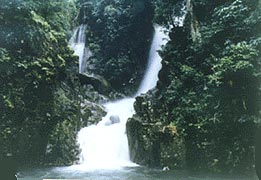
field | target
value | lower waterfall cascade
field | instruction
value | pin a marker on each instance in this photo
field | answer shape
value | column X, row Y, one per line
column 105, row 145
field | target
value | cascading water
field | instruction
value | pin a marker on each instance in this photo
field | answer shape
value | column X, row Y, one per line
column 154, row 64
column 105, row 145
column 77, row 43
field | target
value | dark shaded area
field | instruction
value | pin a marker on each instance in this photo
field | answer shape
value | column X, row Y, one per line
column 8, row 168
column 258, row 153
column 98, row 82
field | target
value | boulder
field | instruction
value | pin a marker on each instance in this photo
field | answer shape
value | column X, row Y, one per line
column 115, row 119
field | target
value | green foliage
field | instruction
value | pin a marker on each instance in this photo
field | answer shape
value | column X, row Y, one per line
column 237, row 20
column 167, row 12
column 238, row 59
column 34, row 59
column 61, row 150
column 118, row 34
column 234, row 12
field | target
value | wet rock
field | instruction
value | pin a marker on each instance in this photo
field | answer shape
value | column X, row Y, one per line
column 165, row 168
column 98, row 82
column 155, row 144
column 114, row 119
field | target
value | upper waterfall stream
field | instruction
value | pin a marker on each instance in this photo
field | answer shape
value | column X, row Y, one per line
column 105, row 145
column 77, row 43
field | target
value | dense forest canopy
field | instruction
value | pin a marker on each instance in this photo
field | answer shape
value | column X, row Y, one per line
column 207, row 100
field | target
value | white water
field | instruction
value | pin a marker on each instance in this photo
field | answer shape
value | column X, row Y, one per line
column 105, row 145
column 77, row 43
column 154, row 64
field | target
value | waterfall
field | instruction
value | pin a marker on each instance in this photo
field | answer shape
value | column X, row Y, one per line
column 105, row 145
column 154, row 64
column 77, row 43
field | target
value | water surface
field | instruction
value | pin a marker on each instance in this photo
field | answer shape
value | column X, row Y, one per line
column 134, row 173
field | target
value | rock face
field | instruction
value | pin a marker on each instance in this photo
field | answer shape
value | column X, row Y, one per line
column 98, row 82
column 154, row 143
column 62, row 148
